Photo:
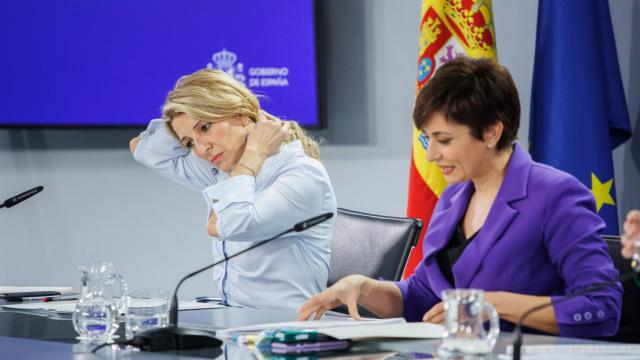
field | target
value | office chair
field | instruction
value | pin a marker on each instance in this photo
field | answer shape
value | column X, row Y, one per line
column 372, row 245
column 629, row 330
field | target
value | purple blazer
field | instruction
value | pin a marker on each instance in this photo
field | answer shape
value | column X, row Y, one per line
column 541, row 237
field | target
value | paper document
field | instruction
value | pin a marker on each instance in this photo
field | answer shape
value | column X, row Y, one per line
column 56, row 306
column 350, row 329
column 414, row 330
column 21, row 289
column 576, row 351
column 69, row 306
column 192, row 305
column 311, row 324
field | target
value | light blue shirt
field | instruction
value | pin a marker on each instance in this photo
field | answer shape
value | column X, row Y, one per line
column 289, row 188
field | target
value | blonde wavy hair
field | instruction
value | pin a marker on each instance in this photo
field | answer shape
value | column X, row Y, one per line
column 212, row 95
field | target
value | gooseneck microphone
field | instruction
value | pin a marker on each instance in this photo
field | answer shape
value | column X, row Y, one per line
column 178, row 338
column 13, row 201
column 517, row 343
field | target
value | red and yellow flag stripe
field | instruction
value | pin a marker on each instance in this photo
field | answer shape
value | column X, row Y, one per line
column 448, row 29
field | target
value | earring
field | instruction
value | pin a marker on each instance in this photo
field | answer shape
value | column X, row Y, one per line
column 489, row 146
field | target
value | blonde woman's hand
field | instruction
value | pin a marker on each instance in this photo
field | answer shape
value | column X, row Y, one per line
column 265, row 115
column 631, row 233
column 346, row 291
column 267, row 135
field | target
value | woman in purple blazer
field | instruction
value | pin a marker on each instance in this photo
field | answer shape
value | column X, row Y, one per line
column 524, row 232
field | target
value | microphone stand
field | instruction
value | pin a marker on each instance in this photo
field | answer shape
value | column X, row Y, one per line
column 517, row 343
column 174, row 337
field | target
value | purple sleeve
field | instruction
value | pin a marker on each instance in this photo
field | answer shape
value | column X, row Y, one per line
column 417, row 296
column 581, row 257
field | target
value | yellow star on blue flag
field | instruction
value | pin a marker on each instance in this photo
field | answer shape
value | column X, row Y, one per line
column 601, row 191
column 575, row 125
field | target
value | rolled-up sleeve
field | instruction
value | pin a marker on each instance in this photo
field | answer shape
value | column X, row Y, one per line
column 236, row 190
column 417, row 296
column 161, row 152
column 247, row 214
column 581, row 257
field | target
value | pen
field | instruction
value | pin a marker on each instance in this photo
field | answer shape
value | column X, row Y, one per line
column 60, row 298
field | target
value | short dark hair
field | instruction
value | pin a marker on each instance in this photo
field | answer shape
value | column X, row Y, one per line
column 472, row 92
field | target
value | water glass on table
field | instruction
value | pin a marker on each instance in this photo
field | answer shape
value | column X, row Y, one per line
column 464, row 335
column 148, row 309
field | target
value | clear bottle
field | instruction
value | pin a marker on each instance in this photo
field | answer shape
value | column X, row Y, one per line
column 101, row 303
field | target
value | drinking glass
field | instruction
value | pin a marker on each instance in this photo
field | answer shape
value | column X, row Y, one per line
column 148, row 309
column 464, row 333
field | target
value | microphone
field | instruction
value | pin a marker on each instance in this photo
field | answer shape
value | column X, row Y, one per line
column 517, row 343
column 178, row 338
column 12, row 201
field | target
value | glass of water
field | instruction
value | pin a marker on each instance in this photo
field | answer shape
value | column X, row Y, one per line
column 464, row 333
column 95, row 319
column 148, row 309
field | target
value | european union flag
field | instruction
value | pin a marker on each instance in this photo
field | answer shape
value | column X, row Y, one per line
column 578, row 109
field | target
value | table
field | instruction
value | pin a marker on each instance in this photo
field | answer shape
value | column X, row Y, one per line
column 40, row 337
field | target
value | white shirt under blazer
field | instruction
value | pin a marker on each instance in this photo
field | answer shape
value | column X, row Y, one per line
column 289, row 188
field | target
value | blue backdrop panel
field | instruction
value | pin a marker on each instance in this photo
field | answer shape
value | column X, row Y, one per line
column 112, row 62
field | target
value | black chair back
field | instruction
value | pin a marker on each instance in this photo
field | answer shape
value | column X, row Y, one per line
column 629, row 330
column 372, row 245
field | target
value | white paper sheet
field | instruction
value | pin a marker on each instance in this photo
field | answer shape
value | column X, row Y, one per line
column 351, row 329
column 414, row 330
column 192, row 305
column 57, row 306
column 311, row 324
column 576, row 350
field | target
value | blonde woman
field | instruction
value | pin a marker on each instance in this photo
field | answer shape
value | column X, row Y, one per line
column 258, row 176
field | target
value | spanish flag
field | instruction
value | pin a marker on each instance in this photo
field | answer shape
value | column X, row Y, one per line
column 448, row 29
